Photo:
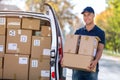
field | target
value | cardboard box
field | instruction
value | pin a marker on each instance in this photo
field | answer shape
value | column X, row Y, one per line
column 77, row 61
column 71, row 43
column 1, row 62
column 2, row 45
column 31, row 23
column 45, row 31
column 12, row 41
column 41, row 47
column 14, row 22
column 1, row 73
column 25, row 42
column 2, row 25
column 42, row 78
column 39, row 70
column 16, row 67
column 18, row 41
column 88, row 45
column 1, row 67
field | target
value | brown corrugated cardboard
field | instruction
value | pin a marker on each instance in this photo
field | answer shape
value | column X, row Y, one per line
column 31, row 23
column 2, row 25
column 88, row 45
column 45, row 31
column 71, row 43
column 12, row 41
column 1, row 62
column 18, row 41
column 1, row 68
column 2, row 45
column 1, row 72
column 14, row 22
column 42, row 78
column 16, row 67
column 40, row 46
column 77, row 61
column 39, row 70
column 25, row 42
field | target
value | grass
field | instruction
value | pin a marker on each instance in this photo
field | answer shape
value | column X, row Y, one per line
column 111, row 53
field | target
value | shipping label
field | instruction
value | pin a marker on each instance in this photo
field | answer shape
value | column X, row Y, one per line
column 36, row 42
column 95, row 42
column 34, row 63
column 1, row 48
column 46, row 52
column 45, row 73
column 23, row 38
column 12, row 46
column 94, row 53
column 12, row 32
column 23, row 60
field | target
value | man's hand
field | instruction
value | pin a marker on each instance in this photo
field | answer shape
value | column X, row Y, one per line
column 93, row 65
column 98, row 56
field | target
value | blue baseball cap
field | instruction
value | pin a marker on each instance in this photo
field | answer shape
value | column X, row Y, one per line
column 88, row 9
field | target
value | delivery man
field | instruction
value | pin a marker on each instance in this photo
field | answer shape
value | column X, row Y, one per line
column 92, row 30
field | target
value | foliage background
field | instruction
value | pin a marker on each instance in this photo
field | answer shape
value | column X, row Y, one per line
column 109, row 20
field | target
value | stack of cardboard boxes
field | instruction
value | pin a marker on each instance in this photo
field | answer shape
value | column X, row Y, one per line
column 40, row 56
column 24, row 56
column 2, row 42
column 81, row 53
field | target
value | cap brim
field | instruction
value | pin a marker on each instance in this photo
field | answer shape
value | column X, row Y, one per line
column 82, row 12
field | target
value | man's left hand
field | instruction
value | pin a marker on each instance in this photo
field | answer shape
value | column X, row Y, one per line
column 92, row 65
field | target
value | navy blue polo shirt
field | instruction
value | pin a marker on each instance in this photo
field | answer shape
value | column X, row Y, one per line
column 96, row 31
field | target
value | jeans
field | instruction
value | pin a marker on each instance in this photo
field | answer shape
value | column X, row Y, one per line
column 84, row 75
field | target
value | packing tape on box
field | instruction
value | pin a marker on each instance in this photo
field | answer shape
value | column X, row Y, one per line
column 19, row 31
column 16, row 55
column 49, row 35
column 14, row 77
column 86, row 38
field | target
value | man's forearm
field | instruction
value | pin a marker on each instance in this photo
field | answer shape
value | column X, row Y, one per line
column 99, row 52
column 98, row 56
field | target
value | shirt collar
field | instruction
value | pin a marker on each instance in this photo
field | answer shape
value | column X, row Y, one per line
column 84, row 28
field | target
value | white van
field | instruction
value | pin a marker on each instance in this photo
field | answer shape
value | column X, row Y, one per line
column 56, row 50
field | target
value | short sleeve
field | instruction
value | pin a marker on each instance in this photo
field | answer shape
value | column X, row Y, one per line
column 76, row 32
column 102, row 37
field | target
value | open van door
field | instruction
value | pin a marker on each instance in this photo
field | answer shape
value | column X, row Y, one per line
column 57, row 45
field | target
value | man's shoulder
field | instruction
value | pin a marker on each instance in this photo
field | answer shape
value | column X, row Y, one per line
column 79, row 30
column 99, row 29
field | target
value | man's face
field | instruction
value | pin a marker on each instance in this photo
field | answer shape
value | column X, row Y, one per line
column 88, row 17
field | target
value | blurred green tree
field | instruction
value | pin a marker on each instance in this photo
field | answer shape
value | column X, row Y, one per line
column 110, row 22
column 63, row 11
